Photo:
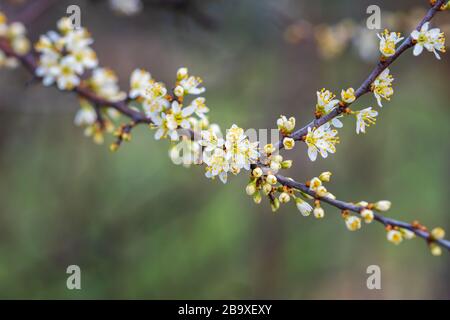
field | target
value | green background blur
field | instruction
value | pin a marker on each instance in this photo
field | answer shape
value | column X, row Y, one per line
column 141, row 227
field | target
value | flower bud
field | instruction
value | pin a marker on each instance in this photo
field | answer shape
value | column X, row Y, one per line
column 250, row 189
column 275, row 204
column 303, row 206
column 267, row 188
column 182, row 73
column 325, row 176
column 286, row 164
column 353, row 223
column 21, row 45
column 284, row 197
column 271, row 179
column 314, row 183
column 257, row 172
column 367, row 215
column 288, row 143
column 407, row 234
column 394, row 236
column 269, row 148
column 277, row 158
column 362, row 204
column 257, row 197
column 275, row 166
column 435, row 249
column 321, row 191
column 348, row 96
column 318, row 212
column 383, row 205
column 438, row 233
column 179, row 91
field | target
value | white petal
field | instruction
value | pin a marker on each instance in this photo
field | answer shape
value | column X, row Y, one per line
column 312, row 153
column 415, row 34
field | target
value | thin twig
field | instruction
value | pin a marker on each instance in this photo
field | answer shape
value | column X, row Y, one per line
column 357, row 209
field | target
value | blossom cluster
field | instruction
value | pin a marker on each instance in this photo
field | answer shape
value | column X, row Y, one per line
column 65, row 55
column 15, row 34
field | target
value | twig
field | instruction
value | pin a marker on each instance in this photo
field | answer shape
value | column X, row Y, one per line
column 357, row 209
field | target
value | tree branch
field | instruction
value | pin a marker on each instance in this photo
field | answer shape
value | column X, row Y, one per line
column 417, row 229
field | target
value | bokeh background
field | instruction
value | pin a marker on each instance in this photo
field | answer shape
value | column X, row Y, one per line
column 141, row 227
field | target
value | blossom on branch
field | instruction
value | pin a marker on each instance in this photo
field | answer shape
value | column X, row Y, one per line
column 388, row 41
column 382, row 86
column 433, row 40
column 321, row 140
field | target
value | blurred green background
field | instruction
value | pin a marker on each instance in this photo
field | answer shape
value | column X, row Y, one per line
column 141, row 227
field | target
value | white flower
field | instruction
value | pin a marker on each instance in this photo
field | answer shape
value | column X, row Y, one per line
column 367, row 215
column 288, row 143
column 190, row 85
column 105, row 83
column 67, row 72
column 210, row 140
column 172, row 119
column 322, row 140
column 326, row 102
column 348, row 96
column 217, row 165
column 86, row 116
column 353, row 223
column 48, row 67
column 382, row 86
column 154, row 99
column 388, row 41
column 77, row 40
column 50, row 42
column 394, row 236
column 139, row 82
column 365, row 117
column 303, row 206
column 65, row 25
column 85, row 58
column 241, row 153
column 286, row 126
column 433, row 40
column 200, row 107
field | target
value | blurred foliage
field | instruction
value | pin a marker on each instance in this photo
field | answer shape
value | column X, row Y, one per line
column 141, row 227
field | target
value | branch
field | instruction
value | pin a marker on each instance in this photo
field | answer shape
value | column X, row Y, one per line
column 418, row 230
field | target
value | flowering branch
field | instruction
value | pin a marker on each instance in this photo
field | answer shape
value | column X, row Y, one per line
column 415, row 227
column 65, row 59
column 365, row 87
